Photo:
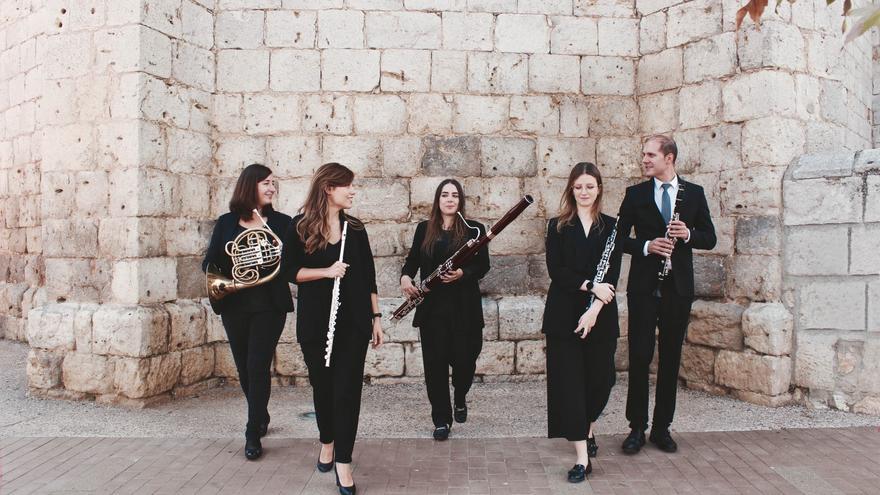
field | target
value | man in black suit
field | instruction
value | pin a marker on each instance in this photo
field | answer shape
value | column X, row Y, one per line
column 648, row 208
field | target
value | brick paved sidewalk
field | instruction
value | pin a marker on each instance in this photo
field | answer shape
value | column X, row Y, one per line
column 809, row 461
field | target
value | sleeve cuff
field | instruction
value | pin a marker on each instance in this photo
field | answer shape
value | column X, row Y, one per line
column 645, row 248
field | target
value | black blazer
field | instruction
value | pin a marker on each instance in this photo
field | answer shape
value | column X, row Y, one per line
column 572, row 258
column 467, row 296
column 314, row 297
column 224, row 231
column 639, row 211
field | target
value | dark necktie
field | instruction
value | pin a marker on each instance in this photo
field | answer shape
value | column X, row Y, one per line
column 666, row 203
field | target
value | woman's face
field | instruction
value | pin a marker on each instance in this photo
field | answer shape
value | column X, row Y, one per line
column 341, row 196
column 266, row 190
column 585, row 191
column 449, row 199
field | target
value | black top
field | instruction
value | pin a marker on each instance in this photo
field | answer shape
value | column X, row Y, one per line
column 639, row 211
column 461, row 297
column 272, row 296
column 572, row 258
column 355, row 311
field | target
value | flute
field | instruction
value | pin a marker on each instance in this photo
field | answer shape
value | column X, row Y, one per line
column 334, row 306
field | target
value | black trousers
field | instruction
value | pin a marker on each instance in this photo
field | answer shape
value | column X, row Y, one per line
column 580, row 376
column 669, row 313
column 253, row 338
column 443, row 345
column 336, row 390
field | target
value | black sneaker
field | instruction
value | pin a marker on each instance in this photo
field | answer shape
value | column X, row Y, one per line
column 460, row 414
column 441, row 433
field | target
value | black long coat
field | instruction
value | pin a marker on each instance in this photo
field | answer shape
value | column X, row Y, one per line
column 639, row 211
column 572, row 258
column 314, row 297
column 225, row 230
column 465, row 292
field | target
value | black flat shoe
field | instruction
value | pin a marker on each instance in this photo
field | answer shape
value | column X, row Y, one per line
column 592, row 448
column 663, row 440
column 634, row 442
column 441, row 433
column 253, row 449
column 579, row 472
column 345, row 490
column 460, row 414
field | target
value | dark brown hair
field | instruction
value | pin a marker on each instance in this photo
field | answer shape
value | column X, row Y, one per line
column 667, row 145
column 313, row 229
column 435, row 222
column 244, row 196
column 567, row 204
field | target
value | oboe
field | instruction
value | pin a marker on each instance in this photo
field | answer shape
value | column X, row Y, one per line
column 667, row 261
column 604, row 262
column 334, row 305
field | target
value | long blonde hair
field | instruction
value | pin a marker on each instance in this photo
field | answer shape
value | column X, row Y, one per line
column 567, row 204
column 313, row 229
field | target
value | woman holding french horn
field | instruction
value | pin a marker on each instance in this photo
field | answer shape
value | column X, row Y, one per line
column 329, row 258
column 242, row 262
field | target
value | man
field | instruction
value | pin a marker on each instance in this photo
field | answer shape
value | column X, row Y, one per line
column 649, row 207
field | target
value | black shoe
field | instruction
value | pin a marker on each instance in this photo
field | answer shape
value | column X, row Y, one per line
column 460, row 414
column 634, row 441
column 592, row 448
column 345, row 490
column 253, row 449
column 325, row 467
column 442, row 432
column 663, row 440
column 579, row 472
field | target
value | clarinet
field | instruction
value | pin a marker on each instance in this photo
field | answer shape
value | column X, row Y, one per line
column 334, row 306
column 667, row 261
column 605, row 262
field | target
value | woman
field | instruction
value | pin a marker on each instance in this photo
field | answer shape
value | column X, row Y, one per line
column 253, row 317
column 312, row 248
column 450, row 320
column 580, row 341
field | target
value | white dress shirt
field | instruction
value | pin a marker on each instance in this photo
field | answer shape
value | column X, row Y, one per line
column 658, row 200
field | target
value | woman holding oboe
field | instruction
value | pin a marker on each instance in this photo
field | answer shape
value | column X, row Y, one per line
column 312, row 248
column 450, row 320
column 581, row 336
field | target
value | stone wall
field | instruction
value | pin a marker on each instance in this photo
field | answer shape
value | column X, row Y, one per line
column 832, row 277
column 152, row 107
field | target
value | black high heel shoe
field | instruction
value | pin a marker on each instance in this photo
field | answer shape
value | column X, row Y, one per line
column 344, row 490
column 253, row 449
column 592, row 448
column 325, row 467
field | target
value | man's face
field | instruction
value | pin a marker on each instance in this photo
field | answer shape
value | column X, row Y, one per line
column 655, row 164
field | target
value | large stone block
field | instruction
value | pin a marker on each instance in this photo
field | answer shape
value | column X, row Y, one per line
column 699, row 105
column 754, row 191
column 349, row 70
column 618, row 37
column 362, row 154
column 557, row 74
column 574, row 116
column 775, row 44
column 449, row 71
column 289, row 360
column 530, row 357
column 557, row 157
column 224, row 365
column 70, row 238
column 872, row 198
column 90, row 373
column 652, row 33
column 618, row 156
column 382, row 199
column 863, row 248
column 471, row 31
column 295, row 70
column 522, row 33
column 137, row 378
column 756, row 277
column 239, row 29
column 184, row 236
column 196, row 364
column 613, row 116
column 848, row 299
column 758, row 235
column 519, row 317
column 574, row 36
column 403, row 30
column 388, row 274
column 508, row 157
column 496, row 73
column 496, row 358
column 763, row 374
column 697, row 364
column 658, row 112
column 716, row 325
column 432, row 115
column 814, row 360
column 340, row 29
column 772, row 141
column 660, row 71
column 293, row 156
column 492, row 197
column 509, row 276
column 817, row 250
column 490, row 319
column 759, row 94
column 405, row 71
column 242, row 70
column 767, row 328
column 190, row 278
column 414, row 365
column 325, row 114
column 145, row 280
column 480, row 114
column 44, row 368
column 271, row 114
column 400, row 330
column 136, row 331
column 52, row 327
column 692, row 21
column 291, row 29
column 387, row 360
column 535, row 114
column 608, row 76
column 401, row 157
column 188, row 327
column 385, row 114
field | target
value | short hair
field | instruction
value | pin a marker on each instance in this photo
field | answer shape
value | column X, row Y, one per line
column 667, row 145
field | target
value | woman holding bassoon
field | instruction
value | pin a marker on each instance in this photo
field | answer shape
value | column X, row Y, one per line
column 450, row 320
column 329, row 255
column 580, row 315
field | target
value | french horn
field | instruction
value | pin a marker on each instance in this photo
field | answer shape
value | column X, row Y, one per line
column 252, row 252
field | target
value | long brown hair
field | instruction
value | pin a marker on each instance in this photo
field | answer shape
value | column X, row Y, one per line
column 312, row 228
column 435, row 222
column 244, row 196
column 567, row 204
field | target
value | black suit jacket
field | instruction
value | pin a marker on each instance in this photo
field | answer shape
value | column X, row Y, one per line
column 572, row 258
column 639, row 212
column 467, row 289
column 224, row 231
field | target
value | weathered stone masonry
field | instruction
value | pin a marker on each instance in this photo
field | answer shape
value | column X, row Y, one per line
column 126, row 123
